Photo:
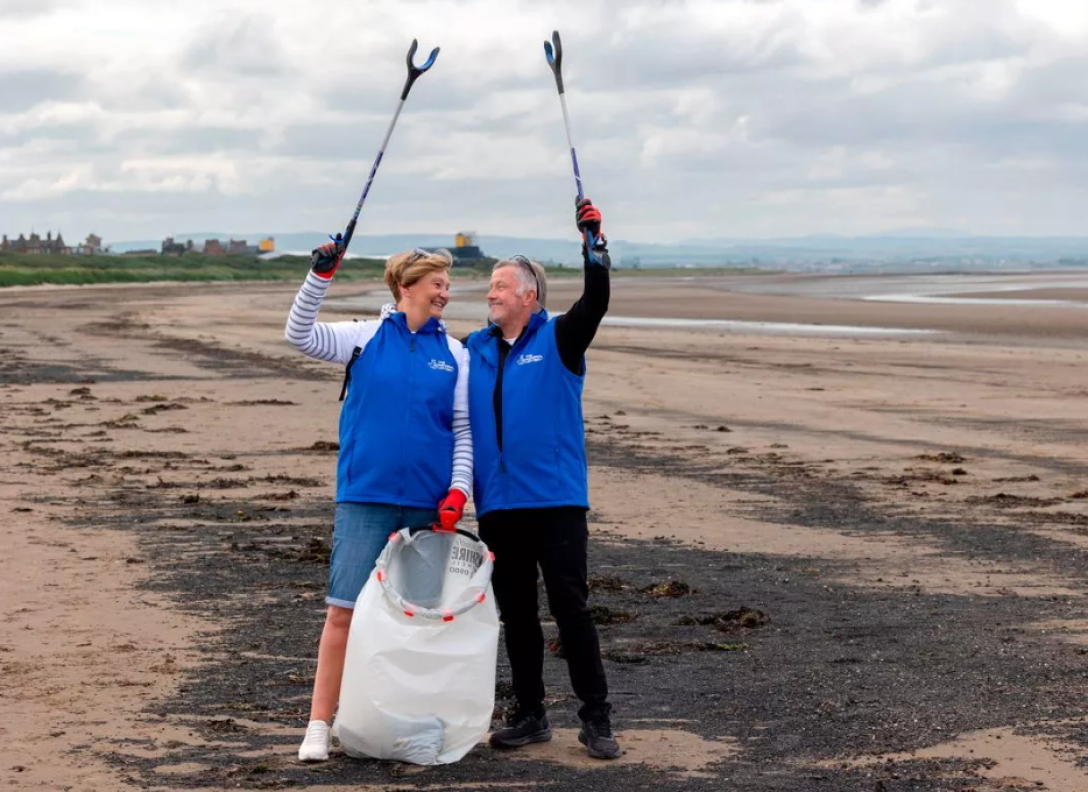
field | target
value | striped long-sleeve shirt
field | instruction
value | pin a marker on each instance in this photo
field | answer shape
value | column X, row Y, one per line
column 335, row 342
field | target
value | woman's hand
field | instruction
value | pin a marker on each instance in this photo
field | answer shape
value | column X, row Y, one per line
column 326, row 259
column 451, row 509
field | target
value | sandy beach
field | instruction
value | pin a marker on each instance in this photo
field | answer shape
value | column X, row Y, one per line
column 821, row 560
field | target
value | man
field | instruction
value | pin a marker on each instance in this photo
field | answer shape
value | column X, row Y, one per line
column 530, row 484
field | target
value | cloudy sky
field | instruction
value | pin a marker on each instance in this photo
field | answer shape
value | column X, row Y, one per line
column 731, row 118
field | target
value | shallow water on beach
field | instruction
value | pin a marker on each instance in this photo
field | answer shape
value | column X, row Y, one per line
column 783, row 328
column 947, row 289
column 474, row 310
column 866, row 306
column 930, row 299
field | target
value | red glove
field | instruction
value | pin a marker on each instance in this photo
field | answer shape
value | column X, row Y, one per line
column 451, row 509
column 594, row 243
column 588, row 217
column 325, row 260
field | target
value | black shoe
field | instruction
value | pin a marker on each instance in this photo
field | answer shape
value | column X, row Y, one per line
column 522, row 729
column 596, row 735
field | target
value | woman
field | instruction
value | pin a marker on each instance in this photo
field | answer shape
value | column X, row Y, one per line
column 405, row 442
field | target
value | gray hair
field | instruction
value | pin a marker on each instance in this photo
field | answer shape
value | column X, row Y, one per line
column 537, row 281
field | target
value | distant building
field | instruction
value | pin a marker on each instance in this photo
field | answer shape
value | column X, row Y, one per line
column 92, row 246
column 233, row 247
column 465, row 250
column 34, row 245
column 267, row 245
column 172, row 248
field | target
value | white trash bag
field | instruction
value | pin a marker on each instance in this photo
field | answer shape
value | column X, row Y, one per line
column 419, row 676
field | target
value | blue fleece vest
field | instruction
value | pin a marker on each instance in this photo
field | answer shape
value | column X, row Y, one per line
column 543, row 458
column 396, row 425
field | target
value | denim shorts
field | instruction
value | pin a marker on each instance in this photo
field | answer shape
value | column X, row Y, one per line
column 359, row 536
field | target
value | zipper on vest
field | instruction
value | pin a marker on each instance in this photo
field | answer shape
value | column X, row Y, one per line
column 402, row 477
column 504, row 355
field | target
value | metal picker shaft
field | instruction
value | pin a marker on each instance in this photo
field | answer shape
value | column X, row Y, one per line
column 553, row 50
column 414, row 72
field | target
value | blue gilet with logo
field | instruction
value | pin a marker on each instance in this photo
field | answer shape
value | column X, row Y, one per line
column 542, row 460
column 396, row 425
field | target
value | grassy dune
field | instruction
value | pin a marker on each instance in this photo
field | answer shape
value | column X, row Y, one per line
column 23, row 270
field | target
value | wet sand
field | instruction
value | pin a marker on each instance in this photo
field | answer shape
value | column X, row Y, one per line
column 1057, row 295
column 825, row 563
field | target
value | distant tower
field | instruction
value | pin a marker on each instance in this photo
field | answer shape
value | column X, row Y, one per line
column 465, row 250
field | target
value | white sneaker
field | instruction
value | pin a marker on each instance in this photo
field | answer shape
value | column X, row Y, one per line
column 315, row 745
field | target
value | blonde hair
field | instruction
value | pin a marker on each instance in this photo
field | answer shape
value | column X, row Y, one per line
column 406, row 269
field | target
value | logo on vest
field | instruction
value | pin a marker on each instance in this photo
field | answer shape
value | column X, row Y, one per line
column 526, row 358
column 440, row 365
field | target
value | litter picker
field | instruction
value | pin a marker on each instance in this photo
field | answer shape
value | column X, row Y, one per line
column 414, row 73
column 553, row 51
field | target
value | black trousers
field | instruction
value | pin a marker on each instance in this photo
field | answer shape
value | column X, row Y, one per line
column 555, row 540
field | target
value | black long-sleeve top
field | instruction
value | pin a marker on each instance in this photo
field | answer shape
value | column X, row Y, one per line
column 574, row 330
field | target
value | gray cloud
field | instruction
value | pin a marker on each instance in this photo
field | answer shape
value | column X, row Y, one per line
column 765, row 118
column 21, row 90
column 138, row 93
column 28, row 9
column 331, row 139
column 200, row 140
column 240, row 45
